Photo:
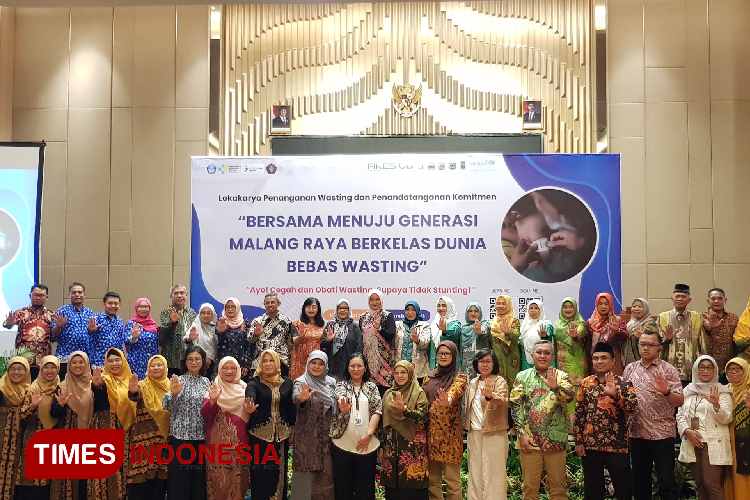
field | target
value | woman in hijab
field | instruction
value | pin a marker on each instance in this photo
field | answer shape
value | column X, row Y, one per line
column 445, row 327
column 309, row 327
column 534, row 327
column 272, row 417
column 403, row 454
column 703, row 422
column 73, row 407
column 232, row 333
column 444, row 387
column 342, row 338
column 738, row 482
column 141, row 338
column 378, row 331
column 506, row 330
column 570, row 332
column 113, row 409
column 640, row 316
column 13, row 386
column 34, row 417
column 203, row 334
column 315, row 399
column 226, row 423
column 475, row 336
column 412, row 342
column 153, row 389
column 605, row 326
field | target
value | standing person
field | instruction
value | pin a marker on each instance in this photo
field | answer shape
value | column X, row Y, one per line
column 13, row 386
column 343, row 337
column 538, row 402
column 742, row 334
column 487, row 423
column 309, row 328
column 272, row 331
column 314, row 396
column 445, row 327
column 34, row 326
column 113, row 409
column 107, row 330
column 506, row 330
column 570, row 333
column 173, row 323
column 534, row 327
column 605, row 326
column 184, row 401
column 153, row 388
column 640, row 317
column 601, row 426
column 353, row 432
column 412, row 342
column 226, row 424
column 403, row 456
column 683, row 332
column 703, row 421
column 378, row 331
column 272, row 417
column 73, row 407
column 70, row 327
column 35, row 417
column 444, row 387
column 738, row 480
column 475, row 336
column 719, row 325
column 652, row 428
column 203, row 334
column 141, row 339
column 232, row 333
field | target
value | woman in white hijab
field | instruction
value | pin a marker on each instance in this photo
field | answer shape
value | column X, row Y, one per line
column 203, row 332
column 534, row 328
column 446, row 326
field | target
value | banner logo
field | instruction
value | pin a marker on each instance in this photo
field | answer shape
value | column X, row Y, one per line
column 211, row 169
column 271, row 168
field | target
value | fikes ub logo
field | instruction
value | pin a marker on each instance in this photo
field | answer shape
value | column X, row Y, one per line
column 271, row 168
column 211, row 169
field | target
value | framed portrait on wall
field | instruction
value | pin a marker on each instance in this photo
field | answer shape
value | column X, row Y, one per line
column 281, row 119
column 533, row 116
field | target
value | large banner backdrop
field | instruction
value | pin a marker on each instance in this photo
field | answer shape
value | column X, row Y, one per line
column 416, row 226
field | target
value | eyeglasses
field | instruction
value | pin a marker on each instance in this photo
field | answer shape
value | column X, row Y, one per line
column 543, row 353
column 17, row 370
column 735, row 369
column 194, row 360
column 444, row 354
column 485, row 362
column 706, row 368
column 648, row 346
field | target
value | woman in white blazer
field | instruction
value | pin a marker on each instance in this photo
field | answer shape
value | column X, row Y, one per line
column 703, row 422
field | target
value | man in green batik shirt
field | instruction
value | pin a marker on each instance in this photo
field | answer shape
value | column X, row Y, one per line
column 538, row 400
column 173, row 322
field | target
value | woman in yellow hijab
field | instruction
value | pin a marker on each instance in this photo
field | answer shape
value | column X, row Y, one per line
column 35, row 417
column 506, row 330
column 13, row 387
column 737, row 484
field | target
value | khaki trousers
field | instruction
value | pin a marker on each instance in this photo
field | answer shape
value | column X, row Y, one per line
column 488, row 457
column 452, row 474
column 532, row 464
column 709, row 479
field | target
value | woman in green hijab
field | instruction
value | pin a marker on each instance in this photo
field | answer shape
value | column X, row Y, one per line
column 570, row 330
column 475, row 335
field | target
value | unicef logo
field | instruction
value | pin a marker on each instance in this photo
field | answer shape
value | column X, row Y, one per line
column 211, row 169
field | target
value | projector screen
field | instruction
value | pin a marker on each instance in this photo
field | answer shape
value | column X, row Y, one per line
column 20, row 216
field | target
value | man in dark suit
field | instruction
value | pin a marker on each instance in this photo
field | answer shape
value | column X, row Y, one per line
column 282, row 121
column 531, row 116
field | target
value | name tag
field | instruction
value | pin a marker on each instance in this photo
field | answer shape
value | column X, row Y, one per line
column 358, row 419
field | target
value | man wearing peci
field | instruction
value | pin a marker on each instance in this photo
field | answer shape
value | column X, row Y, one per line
column 532, row 115
column 282, row 121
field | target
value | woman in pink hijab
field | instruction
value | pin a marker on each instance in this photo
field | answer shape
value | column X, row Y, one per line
column 141, row 338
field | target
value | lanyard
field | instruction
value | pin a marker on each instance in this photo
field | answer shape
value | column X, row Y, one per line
column 356, row 396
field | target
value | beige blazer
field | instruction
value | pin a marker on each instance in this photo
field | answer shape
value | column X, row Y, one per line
column 420, row 355
column 495, row 410
column 716, row 433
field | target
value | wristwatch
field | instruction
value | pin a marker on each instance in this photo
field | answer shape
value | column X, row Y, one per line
column 669, row 391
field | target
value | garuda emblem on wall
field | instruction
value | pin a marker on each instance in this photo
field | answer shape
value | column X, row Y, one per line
column 406, row 99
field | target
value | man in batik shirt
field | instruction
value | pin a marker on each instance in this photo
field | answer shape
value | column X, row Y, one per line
column 34, row 325
column 683, row 332
column 173, row 324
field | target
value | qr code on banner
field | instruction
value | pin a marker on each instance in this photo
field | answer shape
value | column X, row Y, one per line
column 523, row 304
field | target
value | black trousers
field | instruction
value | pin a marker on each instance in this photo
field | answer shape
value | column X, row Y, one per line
column 647, row 454
column 353, row 474
column 186, row 481
column 618, row 465
column 153, row 489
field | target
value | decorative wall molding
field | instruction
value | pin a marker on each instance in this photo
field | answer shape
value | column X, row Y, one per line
column 336, row 65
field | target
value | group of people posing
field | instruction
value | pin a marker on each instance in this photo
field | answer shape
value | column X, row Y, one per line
column 350, row 393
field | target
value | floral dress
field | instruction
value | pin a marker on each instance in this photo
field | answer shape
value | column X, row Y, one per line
column 405, row 462
column 310, row 342
column 445, row 432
